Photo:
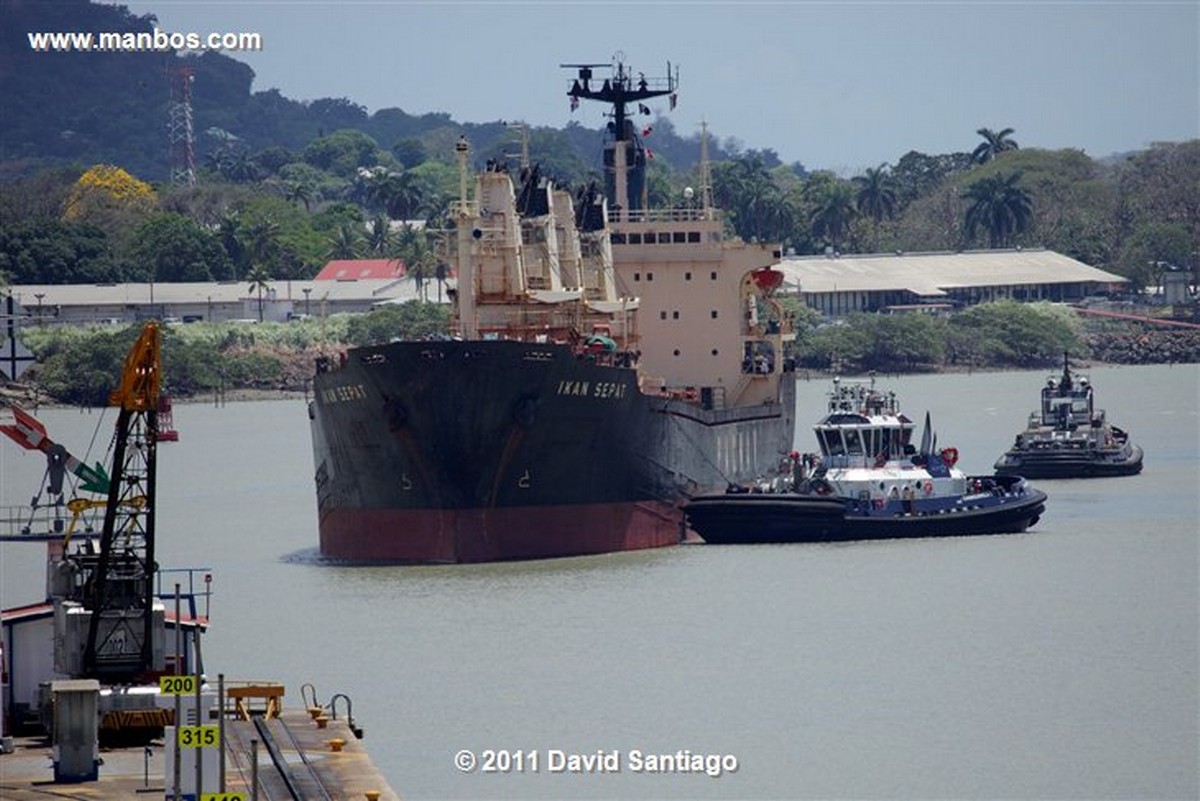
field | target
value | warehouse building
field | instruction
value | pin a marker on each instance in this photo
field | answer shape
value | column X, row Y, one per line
column 837, row 285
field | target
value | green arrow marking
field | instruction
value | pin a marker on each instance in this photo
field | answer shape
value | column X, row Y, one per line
column 93, row 480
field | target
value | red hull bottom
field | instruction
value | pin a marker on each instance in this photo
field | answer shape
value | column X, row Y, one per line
column 492, row 535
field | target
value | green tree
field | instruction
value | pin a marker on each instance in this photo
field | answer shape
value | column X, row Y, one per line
column 1008, row 333
column 300, row 192
column 343, row 152
column 379, row 236
column 994, row 143
column 410, row 152
column 345, row 243
column 833, row 211
column 875, row 198
column 260, row 281
column 409, row 321
column 50, row 251
column 999, row 205
column 174, row 248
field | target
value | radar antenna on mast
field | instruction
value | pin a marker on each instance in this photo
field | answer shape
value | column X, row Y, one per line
column 624, row 156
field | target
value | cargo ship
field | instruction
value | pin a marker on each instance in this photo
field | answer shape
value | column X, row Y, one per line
column 609, row 360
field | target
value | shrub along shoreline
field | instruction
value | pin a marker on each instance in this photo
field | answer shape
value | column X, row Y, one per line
column 79, row 365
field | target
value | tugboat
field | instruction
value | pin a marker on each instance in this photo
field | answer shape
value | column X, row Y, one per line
column 869, row 481
column 608, row 361
column 1069, row 437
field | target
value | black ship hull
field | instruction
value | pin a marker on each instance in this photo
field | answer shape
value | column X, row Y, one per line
column 1042, row 463
column 752, row 518
column 480, row 451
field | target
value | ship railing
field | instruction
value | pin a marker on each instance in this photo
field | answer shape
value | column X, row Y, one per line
column 39, row 523
column 672, row 215
column 195, row 588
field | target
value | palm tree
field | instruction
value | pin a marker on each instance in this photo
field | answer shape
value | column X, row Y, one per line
column 301, row 191
column 834, row 212
column 233, row 240
column 993, row 144
column 379, row 236
column 402, row 196
column 876, row 197
column 260, row 280
column 261, row 241
column 999, row 205
column 412, row 247
column 344, row 243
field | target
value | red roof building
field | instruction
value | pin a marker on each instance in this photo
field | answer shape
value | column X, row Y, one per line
column 361, row 269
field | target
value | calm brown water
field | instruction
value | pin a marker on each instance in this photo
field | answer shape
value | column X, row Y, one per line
column 1060, row 663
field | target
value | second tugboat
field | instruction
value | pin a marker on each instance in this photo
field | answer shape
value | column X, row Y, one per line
column 868, row 482
column 609, row 360
column 1069, row 437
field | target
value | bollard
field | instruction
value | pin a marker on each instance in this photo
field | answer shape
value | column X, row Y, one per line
column 336, row 744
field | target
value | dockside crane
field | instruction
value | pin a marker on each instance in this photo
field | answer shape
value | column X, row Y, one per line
column 123, row 626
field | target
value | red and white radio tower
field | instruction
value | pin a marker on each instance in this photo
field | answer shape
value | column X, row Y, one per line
column 183, row 151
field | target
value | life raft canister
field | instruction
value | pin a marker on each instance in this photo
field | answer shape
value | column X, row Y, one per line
column 950, row 456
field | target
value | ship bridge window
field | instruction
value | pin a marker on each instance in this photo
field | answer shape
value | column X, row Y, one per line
column 635, row 239
column 693, row 236
column 618, row 239
column 687, row 276
column 713, row 275
column 637, row 276
column 853, row 442
column 831, row 442
column 679, row 237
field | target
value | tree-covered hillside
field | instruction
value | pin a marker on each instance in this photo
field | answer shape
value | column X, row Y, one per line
column 109, row 107
column 282, row 186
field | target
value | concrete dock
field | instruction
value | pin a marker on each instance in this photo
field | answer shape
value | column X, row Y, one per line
column 319, row 768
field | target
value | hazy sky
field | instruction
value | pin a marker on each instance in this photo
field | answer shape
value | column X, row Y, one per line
column 840, row 86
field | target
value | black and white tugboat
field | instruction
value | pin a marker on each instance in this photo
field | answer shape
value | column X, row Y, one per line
column 1069, row 437
column 869, row 481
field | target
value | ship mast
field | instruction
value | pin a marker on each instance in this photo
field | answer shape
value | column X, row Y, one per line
column 706, row 198
column 624, row 157
column 462, row 213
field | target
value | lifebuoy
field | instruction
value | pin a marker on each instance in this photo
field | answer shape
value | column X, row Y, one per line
column 950, row 456
column 927, row 487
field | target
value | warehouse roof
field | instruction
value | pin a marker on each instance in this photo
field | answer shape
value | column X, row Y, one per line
column 224, row 292
column 931, row 274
